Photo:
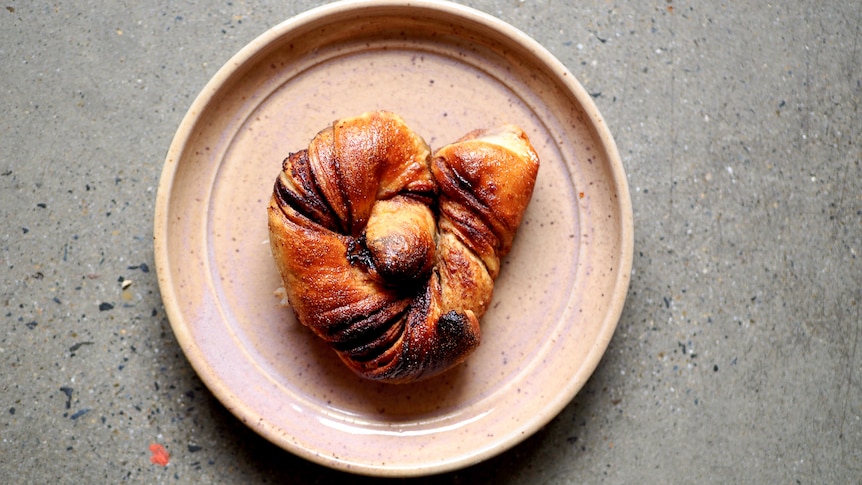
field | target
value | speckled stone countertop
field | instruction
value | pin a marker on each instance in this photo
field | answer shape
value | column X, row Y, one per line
column 737, row 358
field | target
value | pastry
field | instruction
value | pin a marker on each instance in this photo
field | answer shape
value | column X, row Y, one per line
column 388, row 253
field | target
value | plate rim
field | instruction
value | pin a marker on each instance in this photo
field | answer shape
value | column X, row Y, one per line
column 181, row 138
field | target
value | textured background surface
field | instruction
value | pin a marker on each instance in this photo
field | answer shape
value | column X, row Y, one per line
column 737, row 358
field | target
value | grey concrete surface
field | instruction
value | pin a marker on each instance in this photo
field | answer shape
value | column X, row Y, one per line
column 738, row 355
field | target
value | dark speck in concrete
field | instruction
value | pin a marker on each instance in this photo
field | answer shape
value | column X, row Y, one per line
column 78, row 414
column 79, row 345
column 68, row 392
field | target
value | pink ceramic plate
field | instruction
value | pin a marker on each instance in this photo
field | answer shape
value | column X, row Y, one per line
column 445, row 69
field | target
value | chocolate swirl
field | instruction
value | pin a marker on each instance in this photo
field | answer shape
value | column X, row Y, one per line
column 390, row 254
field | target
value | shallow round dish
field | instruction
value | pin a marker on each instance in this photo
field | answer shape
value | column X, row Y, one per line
column 446, row 69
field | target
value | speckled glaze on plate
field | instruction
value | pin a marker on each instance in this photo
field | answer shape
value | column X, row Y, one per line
column 445, row 69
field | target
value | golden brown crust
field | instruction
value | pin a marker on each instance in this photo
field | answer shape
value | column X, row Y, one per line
column 390, row 255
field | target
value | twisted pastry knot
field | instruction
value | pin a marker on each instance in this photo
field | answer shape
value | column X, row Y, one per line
column 390, row 254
